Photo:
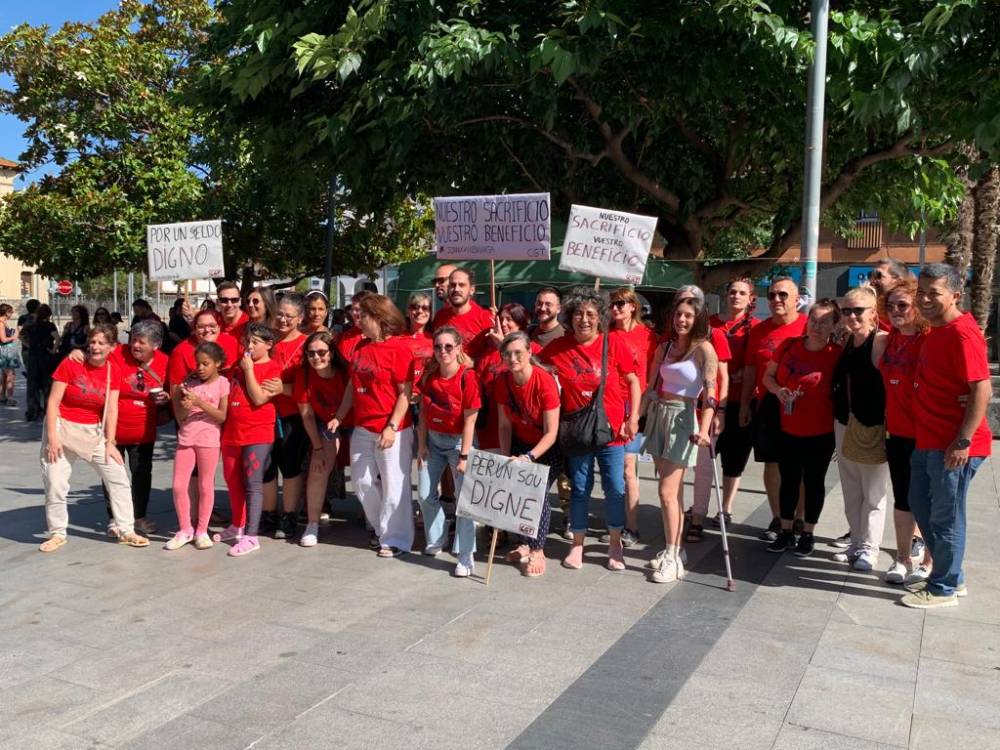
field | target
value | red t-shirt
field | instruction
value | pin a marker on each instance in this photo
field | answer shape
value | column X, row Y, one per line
column 348, row 342
column 578, row 368
column 378, row 367
column 898, row 368
column 323, row 394
column 83, row 401
column 488, row 370
column 812, row 374
column 247, row 424
column 235, row 329
column 289, row 355
column 445, row 400
column 763, row 342
column 182, row 363
column 525, row 405
column 952, row 356
column 642, row 341
column 136, row 410
column 474, row 326
column 422, row 346
column 737, row 336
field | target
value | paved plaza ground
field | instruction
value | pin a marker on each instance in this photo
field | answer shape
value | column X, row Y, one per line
column 105, row 646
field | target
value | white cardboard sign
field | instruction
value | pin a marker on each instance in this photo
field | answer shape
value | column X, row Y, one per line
column 498, row 227
column 503, row 493
column 608, row 244
column 186, row 250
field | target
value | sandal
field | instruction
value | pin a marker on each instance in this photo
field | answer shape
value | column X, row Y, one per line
column 390, row 552
column 536, row 565
column 695, row 534
column 616, row 557
column 53, row 543
column 727, row 516
column 112, row 531
column 133, row 540
column 518, row 555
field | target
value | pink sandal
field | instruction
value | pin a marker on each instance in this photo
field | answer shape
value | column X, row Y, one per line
column 229, row 534
column 245, row 546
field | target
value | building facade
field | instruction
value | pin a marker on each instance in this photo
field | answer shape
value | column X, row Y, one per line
column 18, row 282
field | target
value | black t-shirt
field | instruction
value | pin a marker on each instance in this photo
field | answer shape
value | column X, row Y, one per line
column 39, row 336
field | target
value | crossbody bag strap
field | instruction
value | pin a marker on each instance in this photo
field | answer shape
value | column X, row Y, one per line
column 604, row 367
column 107, row 398
column 149, row 371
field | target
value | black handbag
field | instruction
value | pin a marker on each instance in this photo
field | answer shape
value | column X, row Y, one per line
column 587, row 430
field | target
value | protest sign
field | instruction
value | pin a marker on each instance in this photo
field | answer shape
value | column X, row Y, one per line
column 607, row 244
column 493, row 227
column 503, row 493
column 187, row 250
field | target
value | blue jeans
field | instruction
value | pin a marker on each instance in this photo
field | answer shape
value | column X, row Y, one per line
column 443, row 450
column 937, row 499
column 580, row 470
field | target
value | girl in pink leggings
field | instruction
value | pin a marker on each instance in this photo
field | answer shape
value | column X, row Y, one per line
column 200, row 405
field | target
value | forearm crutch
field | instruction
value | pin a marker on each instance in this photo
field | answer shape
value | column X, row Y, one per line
column 730, row 583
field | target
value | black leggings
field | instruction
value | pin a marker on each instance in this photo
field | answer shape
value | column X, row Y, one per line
column 735, row 443
column 553, row 459
column 291, row 442
column 140, row 466
column 804, row 461
column 898, row 451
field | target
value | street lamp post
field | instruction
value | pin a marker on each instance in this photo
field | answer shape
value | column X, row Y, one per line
column 814, row 147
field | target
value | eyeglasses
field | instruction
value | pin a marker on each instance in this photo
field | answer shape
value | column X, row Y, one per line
column 620, row 303
column 900, row 306
column 421, row 308
column 285, row 316
column 229, row 300
column 778, row 295
column 449, row 348
column 513, row 353
column 588, row 314
column 318, row 353
column 207, row 329
column 857, row 311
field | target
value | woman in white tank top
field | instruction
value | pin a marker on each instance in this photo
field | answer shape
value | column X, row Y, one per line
column 681, row 370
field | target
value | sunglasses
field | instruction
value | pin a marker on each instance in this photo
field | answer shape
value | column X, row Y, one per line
column 449, row 348
column 318, row 353
column 620, row 303
column 900, row 306
column 421, row 308
column 229, row 300
column 778, row 295
column 857, row 311
column 140, row 381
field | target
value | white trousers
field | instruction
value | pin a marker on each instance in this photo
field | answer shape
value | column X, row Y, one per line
column 81, row 442
column 865, row 488
column 382, row 482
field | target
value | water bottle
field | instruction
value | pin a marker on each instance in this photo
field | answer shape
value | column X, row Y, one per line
column 423, row 480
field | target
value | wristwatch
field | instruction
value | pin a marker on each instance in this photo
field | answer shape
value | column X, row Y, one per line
column 463, row 456
column 962, row 443
column 394, row 427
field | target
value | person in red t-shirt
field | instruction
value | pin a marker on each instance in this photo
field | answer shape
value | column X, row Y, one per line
column 886, row 274
column 626, row 323
column 785, row 323
column 291, row 443
column 382, row 440
column 234, row 320
column 349, row 340
column 448, row 408
column 577, row 361
column 206, row 328
column 248, row 437
column 317, row 313
column 262, row 306
column 319, row 390
column 736, row 441
column 800, row 375
column 418, row 336
column 953, row 438
column 896, row 357
column 463, row 314
column 81, row 423
column 529, row 428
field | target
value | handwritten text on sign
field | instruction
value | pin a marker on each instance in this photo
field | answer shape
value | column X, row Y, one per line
column 609, row 244
column 189, row 250
column 502, row 227
column 503, row 493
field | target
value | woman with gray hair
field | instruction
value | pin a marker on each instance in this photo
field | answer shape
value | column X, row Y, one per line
column 578, row 362
column 141, row 404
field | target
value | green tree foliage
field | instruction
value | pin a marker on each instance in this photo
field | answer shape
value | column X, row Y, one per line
column 693, row 111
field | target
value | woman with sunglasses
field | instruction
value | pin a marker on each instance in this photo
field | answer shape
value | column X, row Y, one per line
column 626, row 323
column 896, row 357
column 859, row 399
column 382, row 439
column 317, row 312
column 261, row 306
column 528, row 397
column 734, row 444
column 448, row 409
column 418, row 336
column 319, row 389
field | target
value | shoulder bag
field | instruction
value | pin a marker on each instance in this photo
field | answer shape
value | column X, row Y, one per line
column 587, row 430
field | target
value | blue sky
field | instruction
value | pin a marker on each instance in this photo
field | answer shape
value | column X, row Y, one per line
column 36, row 12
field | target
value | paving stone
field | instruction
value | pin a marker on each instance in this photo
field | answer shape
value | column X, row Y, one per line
column 870, row 708
column 41, row 701
column 873, row 612
column 973, row 643
column 864, row 650
column 948, row 690
column 794, row 737
column 934, row 733
column 334, row 728
column 189, row 731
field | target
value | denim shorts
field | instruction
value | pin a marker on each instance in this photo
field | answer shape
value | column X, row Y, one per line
column 634, row 446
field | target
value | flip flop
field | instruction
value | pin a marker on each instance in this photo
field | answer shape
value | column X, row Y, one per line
column 526, row 570
column 53, row 543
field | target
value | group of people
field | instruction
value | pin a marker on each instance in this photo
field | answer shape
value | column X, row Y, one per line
column 893, row 379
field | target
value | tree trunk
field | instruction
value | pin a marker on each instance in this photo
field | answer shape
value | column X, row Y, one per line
column 959, row 239
column 984, row 244
column 247, row 279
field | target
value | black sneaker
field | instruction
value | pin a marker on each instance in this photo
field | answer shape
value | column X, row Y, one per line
column 771, row 533
column 784, row 541
column 805, row 545
column 842, row 542
column 798, row 526
column 268, row 522
column 917, row 548
column 289, row 524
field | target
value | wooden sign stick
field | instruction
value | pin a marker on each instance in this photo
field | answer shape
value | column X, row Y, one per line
column 493, row 549
column 597, row 284
column 493, row 283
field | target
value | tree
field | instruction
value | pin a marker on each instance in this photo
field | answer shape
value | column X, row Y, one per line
column 690, row 111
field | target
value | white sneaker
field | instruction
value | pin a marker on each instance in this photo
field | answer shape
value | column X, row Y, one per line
column 311, row 535
column 668, row 571
column 654, row 564
column 849, row 555
column 464, row 569
column 864, row 562
column 919, row 573
column 897, row 573
column 432, row 550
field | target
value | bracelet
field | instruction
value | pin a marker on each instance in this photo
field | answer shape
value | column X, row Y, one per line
column 531, row 455
column 463, row 456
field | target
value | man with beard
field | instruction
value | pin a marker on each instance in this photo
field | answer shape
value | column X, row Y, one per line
column 548, row 304
column 465, row 315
